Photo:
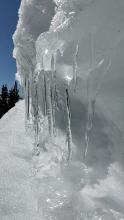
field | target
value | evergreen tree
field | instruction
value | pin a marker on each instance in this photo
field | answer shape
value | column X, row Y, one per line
column 13, row 95
column 8, row 98
column 1, row 108
column 16, row 92
column 11, row 98
column 4, row 98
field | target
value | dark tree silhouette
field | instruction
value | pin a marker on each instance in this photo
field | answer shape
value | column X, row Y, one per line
column 8, row 98
column 4, row 97
column 13, row 95
column 16, row 92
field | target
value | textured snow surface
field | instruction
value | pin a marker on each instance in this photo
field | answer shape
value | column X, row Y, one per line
column 16, row 196
column 42, row 188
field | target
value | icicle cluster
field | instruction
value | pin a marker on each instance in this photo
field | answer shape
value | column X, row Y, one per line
column 53, row 53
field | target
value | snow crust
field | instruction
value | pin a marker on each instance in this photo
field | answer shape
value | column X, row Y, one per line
column 64, row 50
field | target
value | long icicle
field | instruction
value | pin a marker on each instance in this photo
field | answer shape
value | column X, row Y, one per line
column 54, row 108
column 49, row 106
column 36, row 147
column 45, row 99
column 27, row 94
column 28, row 107
column 53, row 91
column 75, row 67
column 69, row 133
column 90, row 106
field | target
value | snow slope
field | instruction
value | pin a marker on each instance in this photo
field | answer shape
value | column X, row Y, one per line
column 16, row 197
column 42, row 188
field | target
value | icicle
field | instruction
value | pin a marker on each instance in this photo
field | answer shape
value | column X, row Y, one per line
column 27, row 98
column 53, row 90
column 55, row 104
column 53, row 108
column 42, row 62
column 45, row 101
column 69, row 133
column 75, row 67
column 36, row 123
column 52, row 65
column 89, row 124
column 25, row 91
column 48, row 64
column 90, row 102
column 49, row 105
column 36, row 112
column 32, row 98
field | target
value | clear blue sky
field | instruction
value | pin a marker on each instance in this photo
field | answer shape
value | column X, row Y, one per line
column 8, row 22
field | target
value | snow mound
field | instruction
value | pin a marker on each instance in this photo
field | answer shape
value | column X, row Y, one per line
column 45, row 187
column 16, row 197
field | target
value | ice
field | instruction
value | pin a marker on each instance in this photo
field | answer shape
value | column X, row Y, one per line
column 65, row 51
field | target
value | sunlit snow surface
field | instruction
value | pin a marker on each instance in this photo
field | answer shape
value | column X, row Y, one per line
column 42, row 188
column 68, row 54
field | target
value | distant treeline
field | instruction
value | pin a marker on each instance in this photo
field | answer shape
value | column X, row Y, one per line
column 8, row 98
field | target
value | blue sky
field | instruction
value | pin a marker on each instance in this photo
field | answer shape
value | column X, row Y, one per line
column 8, row 22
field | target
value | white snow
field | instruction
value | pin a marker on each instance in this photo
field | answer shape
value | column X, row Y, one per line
column 40, row 187
column 16, row 197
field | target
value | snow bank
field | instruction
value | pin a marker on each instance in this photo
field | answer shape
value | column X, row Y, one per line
column 41, row 188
